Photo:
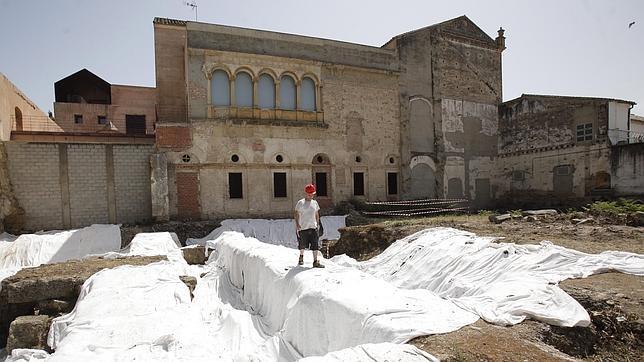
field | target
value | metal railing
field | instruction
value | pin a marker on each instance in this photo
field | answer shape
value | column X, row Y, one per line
column 416, row 207
column 620, row 136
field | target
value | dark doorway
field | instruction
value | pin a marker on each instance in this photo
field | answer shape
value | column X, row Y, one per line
column 320, row 184
column 482, row 189
column 279, row 184
column 135, row 124
column 235, row 186
column 562, row 179
column 392, row 183
column 358, row 184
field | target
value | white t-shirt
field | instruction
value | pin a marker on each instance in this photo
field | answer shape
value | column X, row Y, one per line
column 306, row 211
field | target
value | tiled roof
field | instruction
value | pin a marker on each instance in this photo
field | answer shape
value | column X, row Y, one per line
column 166, row 21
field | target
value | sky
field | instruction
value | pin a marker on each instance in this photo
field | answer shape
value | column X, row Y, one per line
column 573, row 47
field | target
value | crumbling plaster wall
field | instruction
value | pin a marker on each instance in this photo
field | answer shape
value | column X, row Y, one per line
column 457, row 69
column 627, row 168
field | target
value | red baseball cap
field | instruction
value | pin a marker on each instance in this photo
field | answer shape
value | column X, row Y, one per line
column 309, row 189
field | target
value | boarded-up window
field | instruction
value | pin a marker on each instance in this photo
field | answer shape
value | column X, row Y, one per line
column 279, row 184
column 308, row 95
column 244, row 90
column 320, row 183
column 266, row 92
column 235, row 189
column 288, row 93
column 78, row 118
column 358, row 184
column 392, row 183
column 220, row 89
column 135, row 124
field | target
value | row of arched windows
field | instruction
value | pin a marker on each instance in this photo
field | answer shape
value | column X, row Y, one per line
column 220, row 91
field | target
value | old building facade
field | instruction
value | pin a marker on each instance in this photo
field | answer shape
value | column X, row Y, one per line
column 558, row 150
column 248, row 117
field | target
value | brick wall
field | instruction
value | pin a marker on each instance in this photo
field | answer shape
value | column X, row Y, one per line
column 132, row 183
column 35, row 176
column 188, row 195
column 73, row 185
column 174, row 138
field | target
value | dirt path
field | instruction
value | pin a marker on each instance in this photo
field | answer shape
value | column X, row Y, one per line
column 614, row 301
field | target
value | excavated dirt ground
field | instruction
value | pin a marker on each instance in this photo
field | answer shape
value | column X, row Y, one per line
column 614, row 301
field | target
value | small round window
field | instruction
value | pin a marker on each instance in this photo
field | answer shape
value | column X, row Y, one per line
column 234, row 158
column 279, row 158
column 391, row 160
column 320, row 159
column 185, row 158
column 358, row 159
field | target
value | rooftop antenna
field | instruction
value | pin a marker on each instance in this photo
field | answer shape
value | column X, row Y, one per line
column 193, row 5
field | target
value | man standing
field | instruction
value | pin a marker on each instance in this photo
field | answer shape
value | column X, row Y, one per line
column 307, row 219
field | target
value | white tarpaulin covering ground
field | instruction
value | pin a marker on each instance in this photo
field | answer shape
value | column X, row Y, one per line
column 253, row 303
column 503, row 283
column 29, row 250
column 278, row 232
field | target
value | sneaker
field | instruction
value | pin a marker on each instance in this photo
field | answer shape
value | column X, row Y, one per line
column 316, row 264
column 301, row 260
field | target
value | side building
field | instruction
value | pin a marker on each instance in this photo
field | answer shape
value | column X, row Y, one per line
column 557, row 150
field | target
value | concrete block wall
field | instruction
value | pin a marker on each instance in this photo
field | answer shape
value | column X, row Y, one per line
column 87, row 184
column 132, row 183
column 62, row 186
column 35, row 175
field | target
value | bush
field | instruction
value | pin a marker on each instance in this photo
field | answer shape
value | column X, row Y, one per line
column 614, row 208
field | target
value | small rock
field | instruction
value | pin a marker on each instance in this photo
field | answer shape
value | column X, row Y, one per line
column 195, row 255
column 190, row 282
column 28, row 332
column 530, row 218
column 497, row 219
column 610, row 302
column 540, row 212
column 589, row 220
column 635, row 219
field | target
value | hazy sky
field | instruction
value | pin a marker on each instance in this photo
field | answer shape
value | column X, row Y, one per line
column 573, row 47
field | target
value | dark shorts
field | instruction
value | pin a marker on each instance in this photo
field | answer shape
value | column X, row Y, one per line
column 308, row 239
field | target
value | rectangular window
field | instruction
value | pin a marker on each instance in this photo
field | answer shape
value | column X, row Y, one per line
column 134, row 124
column 102, row 120
column 392, row 183
column 235, row 189
column 320, row 183
column 584, row 132
column 78, row 119
column 518, row 175
column 358, row 184
column 279, row 184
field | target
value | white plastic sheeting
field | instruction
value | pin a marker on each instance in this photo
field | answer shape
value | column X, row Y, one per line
column 503, row 283
column 30, row 250
column 278, row 232
column 145, row 312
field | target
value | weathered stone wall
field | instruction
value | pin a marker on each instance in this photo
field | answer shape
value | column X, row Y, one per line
column 535, row 122
column 360, row 112
column 555, row 175
column 450, row 86
column 11, row 215
column 73, row 185
column 627, row 168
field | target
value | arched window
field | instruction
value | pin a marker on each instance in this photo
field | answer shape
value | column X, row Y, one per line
column 308, row 94
column 266, row 92
column 288, row 93
column 220, row 88
column 244, row 90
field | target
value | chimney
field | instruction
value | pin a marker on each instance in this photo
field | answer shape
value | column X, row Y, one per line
column 500, row 40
